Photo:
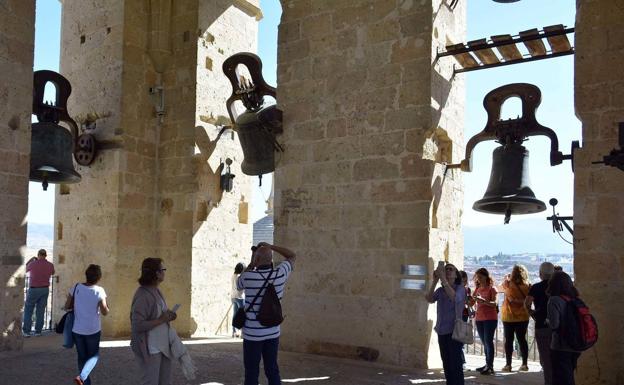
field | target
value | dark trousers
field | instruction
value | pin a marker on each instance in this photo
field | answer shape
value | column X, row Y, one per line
column 520, row 330
column 543, row 338
column 88, row 349
column 450, row 350
column 563, row 365
column 267, row 350
column 486, row 330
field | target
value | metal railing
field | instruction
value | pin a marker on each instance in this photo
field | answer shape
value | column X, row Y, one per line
column 48, row 317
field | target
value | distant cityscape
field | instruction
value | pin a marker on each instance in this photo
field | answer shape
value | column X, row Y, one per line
column 501, row 264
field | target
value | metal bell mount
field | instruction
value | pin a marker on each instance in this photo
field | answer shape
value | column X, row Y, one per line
column 258, row 125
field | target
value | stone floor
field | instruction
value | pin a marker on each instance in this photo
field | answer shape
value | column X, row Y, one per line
column 44, row 361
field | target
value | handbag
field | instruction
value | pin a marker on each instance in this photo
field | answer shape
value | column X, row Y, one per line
column 60, row 326
column 462, row 331
column 239, row 318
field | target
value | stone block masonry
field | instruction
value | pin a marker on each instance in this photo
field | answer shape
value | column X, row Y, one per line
column 158, row 194
column 17, row 34
column 360, row 190
column 598, row 201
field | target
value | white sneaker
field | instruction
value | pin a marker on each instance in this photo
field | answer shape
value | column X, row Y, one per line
column 28, row 335
column 37, row 334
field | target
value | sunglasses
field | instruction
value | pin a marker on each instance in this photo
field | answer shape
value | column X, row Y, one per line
column 449, row 269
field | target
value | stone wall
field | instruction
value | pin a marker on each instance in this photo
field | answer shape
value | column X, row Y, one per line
column 143, row 195
column 598, row 200
column 86, row 215
column 360, row 191
column 17, row 34
column 223, row 232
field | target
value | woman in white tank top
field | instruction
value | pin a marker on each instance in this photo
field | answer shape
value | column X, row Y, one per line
column 88, row 301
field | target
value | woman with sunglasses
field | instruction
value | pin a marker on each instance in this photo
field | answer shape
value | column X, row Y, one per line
column 150, row 319
column 450, row 299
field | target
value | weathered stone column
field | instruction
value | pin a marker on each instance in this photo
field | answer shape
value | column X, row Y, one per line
column 598, row 199
column 17, row 37
column 153, row 190
column 369, row 115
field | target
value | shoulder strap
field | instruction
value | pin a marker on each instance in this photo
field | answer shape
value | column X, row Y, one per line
column 266, row 281
column 73, row 298
column 518, row 287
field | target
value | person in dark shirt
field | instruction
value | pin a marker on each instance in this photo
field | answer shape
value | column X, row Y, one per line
column 536, row 303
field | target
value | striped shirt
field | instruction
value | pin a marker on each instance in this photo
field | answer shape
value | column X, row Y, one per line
column 251, row 282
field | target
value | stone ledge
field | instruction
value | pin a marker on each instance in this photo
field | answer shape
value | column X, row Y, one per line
column 250, row 7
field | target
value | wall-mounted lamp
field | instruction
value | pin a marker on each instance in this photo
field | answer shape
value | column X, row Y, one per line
column 226, row 179
column 508, row 191
column 616, row 156
column 157, row 95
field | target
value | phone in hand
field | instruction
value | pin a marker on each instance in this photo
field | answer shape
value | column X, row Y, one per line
column 175, row 307
column 441, row 264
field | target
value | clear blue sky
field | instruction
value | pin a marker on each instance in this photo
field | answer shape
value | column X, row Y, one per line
column 485, row 18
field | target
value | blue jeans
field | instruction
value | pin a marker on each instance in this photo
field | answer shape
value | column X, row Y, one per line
column 236, row 304
column 88, row 349
column 486, row 330
column 37, row 296
column 450, row 350
column 252, row 352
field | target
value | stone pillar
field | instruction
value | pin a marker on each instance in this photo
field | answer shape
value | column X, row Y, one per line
column 598, row 200
column 223, row 232
column 17, row 36
column 147, row 193
column 369, row 115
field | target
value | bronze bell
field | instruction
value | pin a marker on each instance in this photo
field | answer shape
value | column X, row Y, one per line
column 256, row 135
column 51, row 158
column 508, row 191
column 52, row 145
column 258, row 125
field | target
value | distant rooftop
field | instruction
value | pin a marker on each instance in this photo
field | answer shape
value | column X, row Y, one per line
column 263, row 230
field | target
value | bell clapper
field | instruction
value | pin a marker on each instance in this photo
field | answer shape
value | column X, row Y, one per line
column 44, row 183
column 507, row 216
column 259, row 180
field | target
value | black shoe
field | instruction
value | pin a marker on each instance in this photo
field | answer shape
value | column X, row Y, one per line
column 481, row 368
column 488, row 372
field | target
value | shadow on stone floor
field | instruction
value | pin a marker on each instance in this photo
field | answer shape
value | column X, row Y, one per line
column 219, row 361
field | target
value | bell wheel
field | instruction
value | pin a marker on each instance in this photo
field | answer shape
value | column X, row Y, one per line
column 85, row 149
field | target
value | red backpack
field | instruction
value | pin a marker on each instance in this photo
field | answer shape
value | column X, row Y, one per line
column 578, row 327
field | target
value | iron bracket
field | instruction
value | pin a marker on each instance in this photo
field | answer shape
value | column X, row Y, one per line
column 616, row 156
column 558, row 221
column 513, row 130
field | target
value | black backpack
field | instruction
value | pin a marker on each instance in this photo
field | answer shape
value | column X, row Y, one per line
column 270, row 313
